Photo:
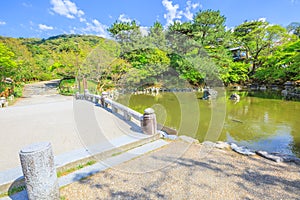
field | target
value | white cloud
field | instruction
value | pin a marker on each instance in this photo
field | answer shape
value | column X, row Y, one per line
column 45, row 27
column 81, row 19
column 144, row 30
column 96, row 28
column 124, row 18
column 262, row 19
column 27, row 5
column 190, row 6
column 66, row 8
column 2, row 23
column 294, row 1
column 173, row 11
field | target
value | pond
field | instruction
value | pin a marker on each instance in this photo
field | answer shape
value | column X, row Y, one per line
column 260, row 120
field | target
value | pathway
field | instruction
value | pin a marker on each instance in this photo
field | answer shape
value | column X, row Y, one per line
column 41, row 92
column 72, row 127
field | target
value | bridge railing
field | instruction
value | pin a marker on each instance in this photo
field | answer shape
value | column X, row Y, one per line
column 147, row 121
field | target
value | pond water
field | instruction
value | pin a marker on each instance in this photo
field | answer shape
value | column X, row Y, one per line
column 260, row 120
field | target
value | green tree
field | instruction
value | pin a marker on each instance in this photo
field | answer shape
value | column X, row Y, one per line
column 127, row 34
column 260, row 39
column 200, row 42
column 282, row 65
column 235, row 72
column 209, row 28
column 8, row 65
column 294, row 28
column 156, row 37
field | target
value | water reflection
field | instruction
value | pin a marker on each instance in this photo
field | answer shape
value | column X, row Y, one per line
column 257, row 121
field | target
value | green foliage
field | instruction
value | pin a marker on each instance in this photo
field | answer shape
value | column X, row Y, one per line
column 209, row 27
column 44, row 59
column 202, row 43
column 118, row 27
column 80, row 166
column 282, row 65
column 260, row 39
column 294, row 28
column 67, row 87
column 7, row 64
column 18, row 90
column 197, row 51
column 236, row 72
column 186, row 69
column 13, row 191
column 146, row 64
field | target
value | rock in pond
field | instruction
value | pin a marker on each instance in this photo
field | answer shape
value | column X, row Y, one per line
column 209, row 144
column 269, row 156
column 242, row 150
column 167, row 136
column 222, row 145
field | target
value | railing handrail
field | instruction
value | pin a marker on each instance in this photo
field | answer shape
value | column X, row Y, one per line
column 115, row 105
column 127, row 112
column 132, row 113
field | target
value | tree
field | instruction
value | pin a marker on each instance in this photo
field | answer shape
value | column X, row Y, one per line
column 199, row 42
column 209, row 28
column 156, row 37
column 260, row 39
column 100, row 66
column 127, row 34
column 294, row 28
column 235, row 72
column 282, row 65
column 7, row 63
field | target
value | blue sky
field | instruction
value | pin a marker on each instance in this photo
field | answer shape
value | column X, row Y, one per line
column 45, row 18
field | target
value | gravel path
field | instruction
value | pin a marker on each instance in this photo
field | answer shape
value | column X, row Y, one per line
column 200, row 173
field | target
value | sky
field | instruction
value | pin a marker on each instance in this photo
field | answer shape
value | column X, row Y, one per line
column 46, row 18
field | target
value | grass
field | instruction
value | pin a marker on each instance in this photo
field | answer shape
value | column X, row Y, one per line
column 68, row 171
column 15, row 190
column 12, row 191
column 116, row 154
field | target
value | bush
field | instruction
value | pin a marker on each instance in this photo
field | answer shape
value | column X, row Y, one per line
column 67, row 87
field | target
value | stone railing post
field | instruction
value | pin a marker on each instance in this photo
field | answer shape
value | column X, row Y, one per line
column 77, row 95
column 86, row 94
column 127, row 116
column 149, row 124
column 114, row 109
column 103, row 97
column 39, row 172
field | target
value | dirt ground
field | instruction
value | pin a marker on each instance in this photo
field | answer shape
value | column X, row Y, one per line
column 182, row 171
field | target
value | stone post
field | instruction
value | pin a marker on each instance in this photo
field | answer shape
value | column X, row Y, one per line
column 103, row 96
column 114, row 108
column 86, row 94
column 149, row 125
column 127, row 116
column 77, row 95
column 39, row 172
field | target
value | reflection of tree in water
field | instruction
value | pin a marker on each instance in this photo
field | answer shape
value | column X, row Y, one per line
column 256, row 119
column 296, row 147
